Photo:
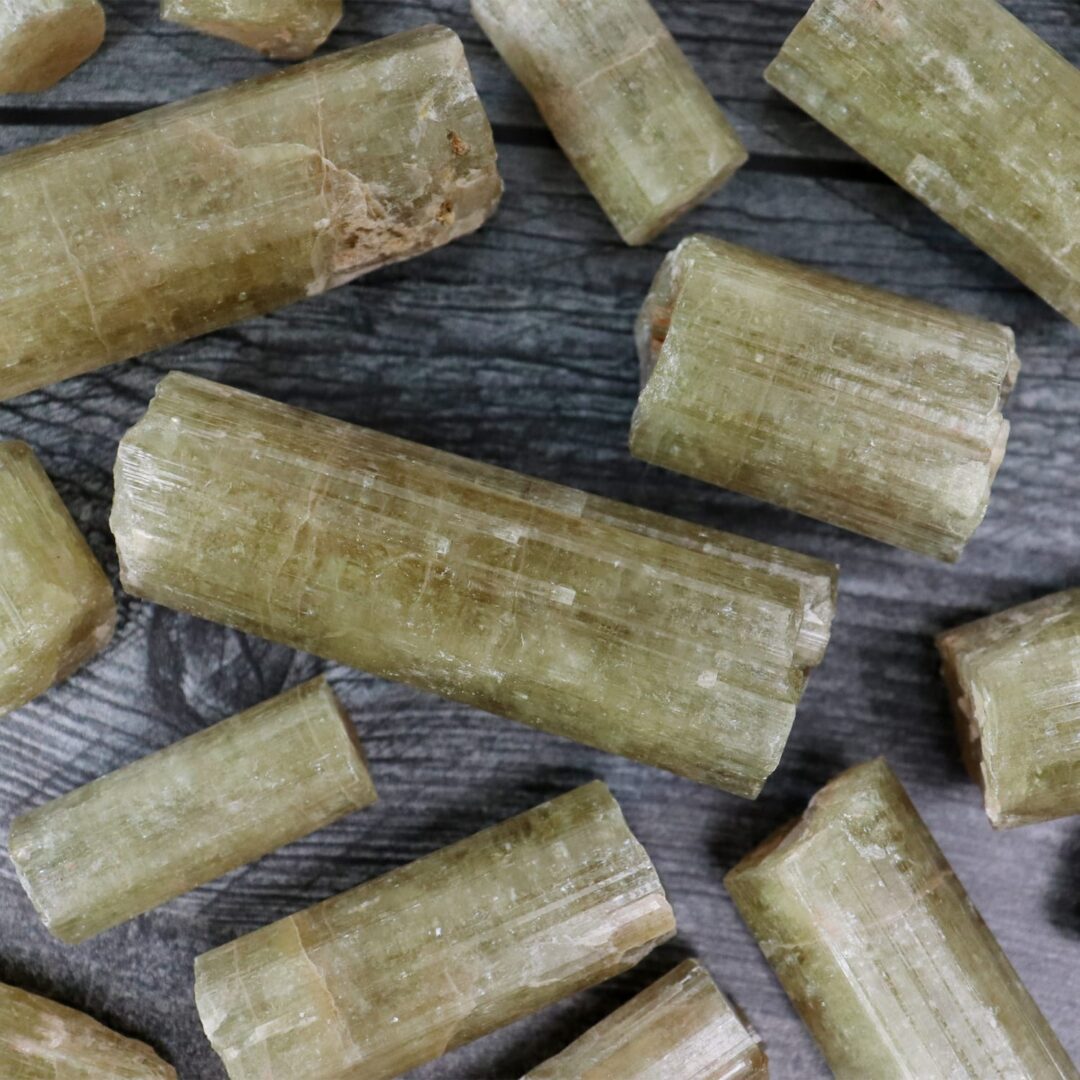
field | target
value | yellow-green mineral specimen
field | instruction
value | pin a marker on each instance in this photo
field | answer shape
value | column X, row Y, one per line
column 41, row 1040
column 184, row 219
column 680, row 647
column 42, row 41
column 179, row 818
column 871, row 411
column 406, row 967
column 281, row 29
column 56, row 604
column 1015, row 684
column 881, row 951
column 966, row 108
column 623, row 101
column 680, row 1028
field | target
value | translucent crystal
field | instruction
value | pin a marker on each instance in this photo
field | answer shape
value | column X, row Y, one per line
column 404, row 968
column 864, row 409
column 881, row 951
column 42, row 41
column 681, row 647
column 282, row 29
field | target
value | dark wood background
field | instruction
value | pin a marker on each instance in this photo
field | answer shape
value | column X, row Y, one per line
column 515, row 346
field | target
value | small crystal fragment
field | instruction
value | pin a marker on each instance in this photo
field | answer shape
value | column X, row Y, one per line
column 680, row 647
column 43, row 41
column 966, row 108
column 624, row 103
column 56, row 604
column 157, row 228
column 401, row 970
column 280, row 29
column 680, row 1028
column 179, row 818
column 880, row 949
column 871, row 411
column 41, row 1040
column 1015, row 684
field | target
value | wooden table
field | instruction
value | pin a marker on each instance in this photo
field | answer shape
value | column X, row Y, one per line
column 515, row 346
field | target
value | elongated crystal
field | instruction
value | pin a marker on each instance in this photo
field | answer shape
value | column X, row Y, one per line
column 966, row 108
column 181, row 220
column 42, row 41
column 433, row 955
column 623, row 101
column 870, row 411
column 1014, row 680
column 56, row 604
column 281, row 29
column 41, row 1040
column 680, row 1028
column 179, row 818
column 881, row 951
column 683, row 648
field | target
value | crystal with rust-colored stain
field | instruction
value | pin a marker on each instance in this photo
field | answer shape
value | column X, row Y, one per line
column 42, row 41
column 281, row 29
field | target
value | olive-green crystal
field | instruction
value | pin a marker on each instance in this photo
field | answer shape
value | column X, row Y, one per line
column 41, row 1040
column 680, row 1028
column 401, row 970
column 1014, row 679
column 871, row 411
column 965, row 107
column 623, row 101
column 179, row 818
column 280, row 29
column 880, row 949
column 56, row 605
column 42, row 41
column 681, row 647
column 154, row 229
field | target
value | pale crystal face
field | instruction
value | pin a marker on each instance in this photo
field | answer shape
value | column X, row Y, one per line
column 280, row 29
column 43, row 41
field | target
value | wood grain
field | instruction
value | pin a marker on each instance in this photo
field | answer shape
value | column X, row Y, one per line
column 515, row 346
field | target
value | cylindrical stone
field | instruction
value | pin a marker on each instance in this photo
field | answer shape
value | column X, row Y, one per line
column 280, row 29
column 43, row 41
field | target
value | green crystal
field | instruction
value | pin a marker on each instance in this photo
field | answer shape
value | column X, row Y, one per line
column 42, row 41
column 881, row 951
column 179, row 818
column 966, row 108
column 680, row 647
column 401, row 970
column 40, row 1040
column 184, row 219
column 1014, row 679
column 281, row 29
column 624, row 103
column 56, row 605
column 680, row 1028
column 871, row 411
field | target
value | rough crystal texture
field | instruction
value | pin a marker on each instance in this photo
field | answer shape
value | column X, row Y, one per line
column 56, row 605
column 42, row 41
column 966, row 108
column 433, row 955
column 153, row 229
column 681, row 647
column 281, row 29
column 864, row 409
column 1015, row 684
column 680, row 1028
column 179, row 818
column 41, row 1040
column 880, row 949
column 624, row 103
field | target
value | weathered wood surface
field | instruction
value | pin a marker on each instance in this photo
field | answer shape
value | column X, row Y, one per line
column 515, row 346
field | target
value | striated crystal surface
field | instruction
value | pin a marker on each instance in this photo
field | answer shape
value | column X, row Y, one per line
column 56, row 605
column 880, row 949
column 1014, row 679
column 966, row 108
column 433, row 955
column 184, row 219
column 42, row 41
column 623, row 101
column 681, row 647
column 871, row 411
column 680, row 1028
column 179, row 818
column 281, row 29
column 41, row 1040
